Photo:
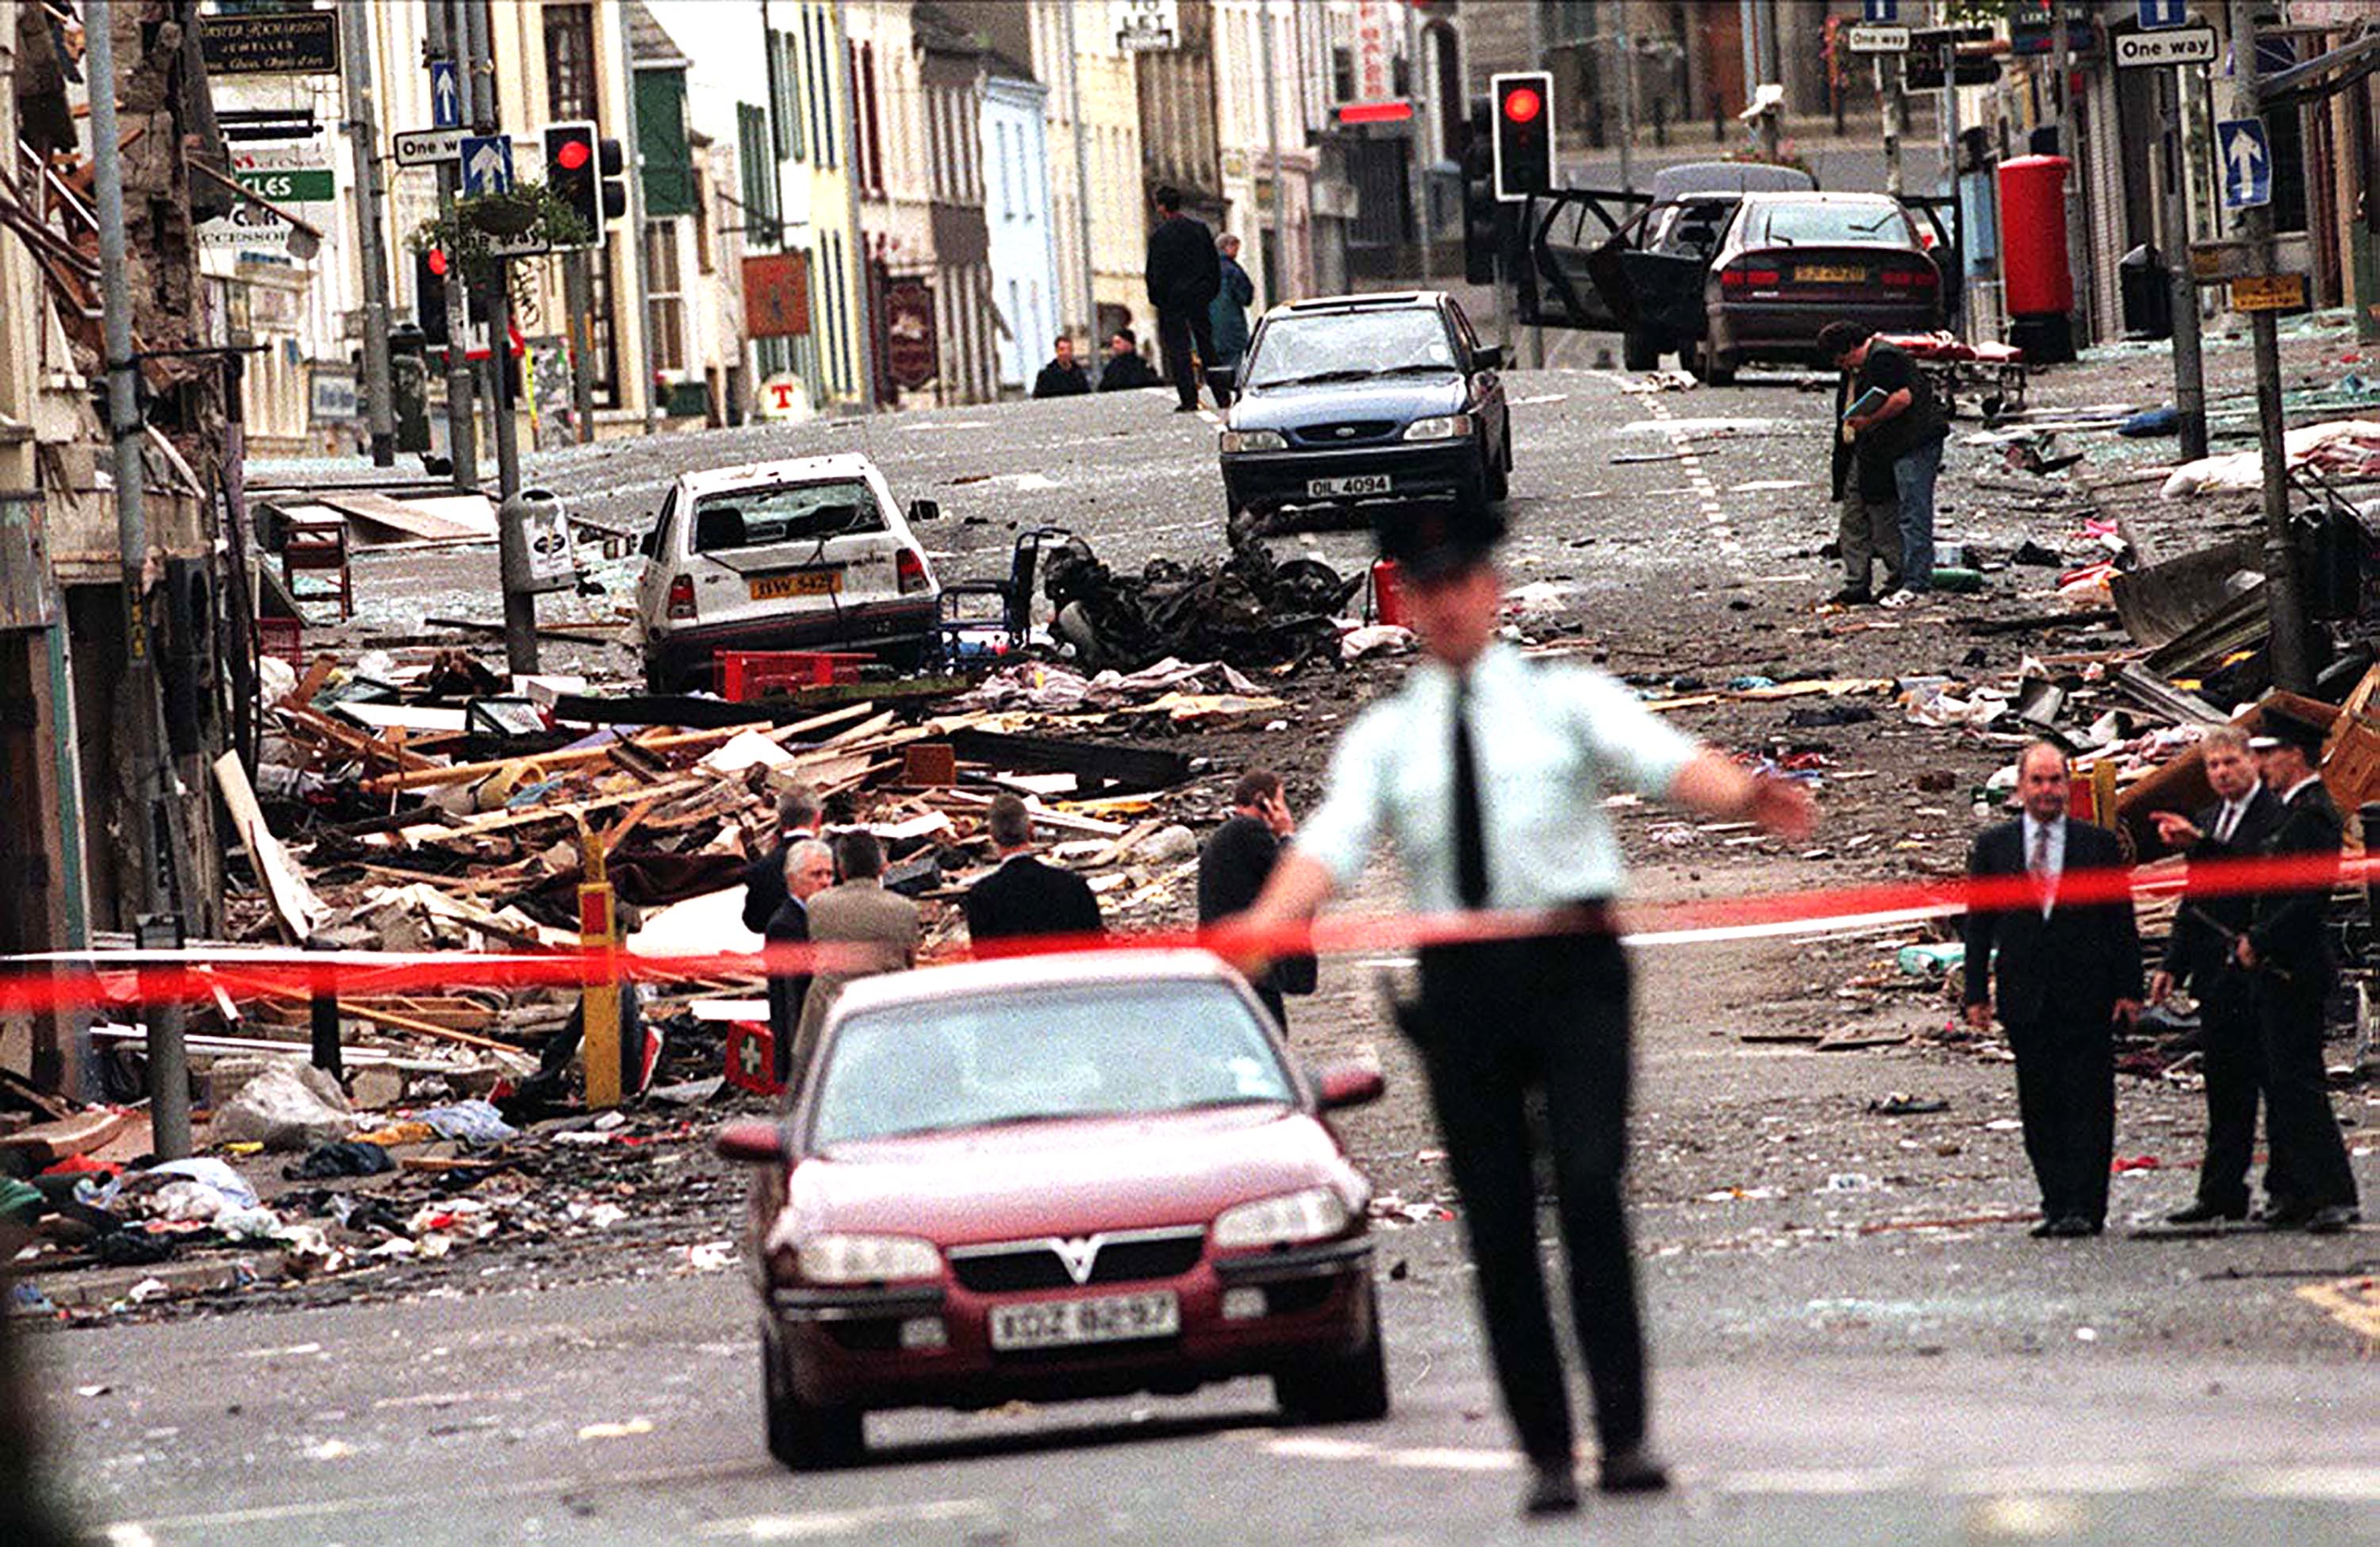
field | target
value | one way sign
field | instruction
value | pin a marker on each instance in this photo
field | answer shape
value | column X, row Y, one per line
column 445, row 98
column 2247, row 163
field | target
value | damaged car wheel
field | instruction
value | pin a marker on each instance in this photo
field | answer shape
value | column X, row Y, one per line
column 806, row 1438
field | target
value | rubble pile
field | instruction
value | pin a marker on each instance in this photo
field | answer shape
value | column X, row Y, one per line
column 1248, row 609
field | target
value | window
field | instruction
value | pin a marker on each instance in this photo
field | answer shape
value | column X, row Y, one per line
column 759, row 174
column 872, row 144
column 663, row 288
column 784, row 94
column 787, row 513
column 817, row 49
column 569, row 61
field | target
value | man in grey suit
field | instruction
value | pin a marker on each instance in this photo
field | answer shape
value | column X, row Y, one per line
column 857, row 912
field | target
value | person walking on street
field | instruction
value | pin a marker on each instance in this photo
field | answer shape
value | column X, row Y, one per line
column 809, row 870
column 1062, row 377
column 1024, row 896
column 800, row 814
column 1228, row 317
column 2286, row 950
column 1125, row 370
column 2066, row 973
column 1488, row 773
column 1184, row 278
column 1867, row 525
column 856, row 912
column 1902, row 427
column 1234, row 865
column 2199, row 954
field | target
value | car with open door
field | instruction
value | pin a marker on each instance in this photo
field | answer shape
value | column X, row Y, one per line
column 809, row 553
column 1791, row 263
column 1047, row 1177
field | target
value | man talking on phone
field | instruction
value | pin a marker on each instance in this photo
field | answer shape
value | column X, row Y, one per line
column 1233, row 868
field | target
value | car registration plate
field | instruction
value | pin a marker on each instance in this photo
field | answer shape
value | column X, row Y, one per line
column 1064, row 1323
column 1364, row 483
column 1830, row 274
column 800, row 582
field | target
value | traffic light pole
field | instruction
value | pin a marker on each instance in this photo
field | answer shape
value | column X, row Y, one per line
column 520, row 607
column 462, row 431
column 578, row 295
column 371, row 243
column 2173, row 218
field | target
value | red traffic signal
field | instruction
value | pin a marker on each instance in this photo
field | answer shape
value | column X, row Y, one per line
column 1522, row 104
column 1524, row 133
column 435, row 259
column 572, row 154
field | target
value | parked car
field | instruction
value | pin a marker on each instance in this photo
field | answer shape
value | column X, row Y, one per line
column 809, row 553
column 1051, row 1177
column 1791, row 263
column 1355, row 398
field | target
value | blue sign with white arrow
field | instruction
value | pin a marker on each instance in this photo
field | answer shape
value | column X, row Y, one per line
column 445, row 96
column 2247, row 163
column 488, row 164
column 1879, row 10
column 2164, row 13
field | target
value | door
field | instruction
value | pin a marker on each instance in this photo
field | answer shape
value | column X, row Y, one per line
column 1568, row 234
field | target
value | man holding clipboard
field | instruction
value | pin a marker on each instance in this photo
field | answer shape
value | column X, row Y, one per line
column 1892, row 422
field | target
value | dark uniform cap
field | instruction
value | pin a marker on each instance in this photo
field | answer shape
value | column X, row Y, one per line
column 1433, row 539
column 2281, row 728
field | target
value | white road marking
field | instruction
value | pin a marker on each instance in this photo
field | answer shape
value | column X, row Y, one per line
column 816, row 1523
column 1705, row 490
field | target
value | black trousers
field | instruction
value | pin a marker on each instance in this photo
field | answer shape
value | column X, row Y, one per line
column 2309, row 1168
column 2234, row 1068
column 1278, row 1005
column 2066, row 1095
column 1496, row 1019
column 1177, row 331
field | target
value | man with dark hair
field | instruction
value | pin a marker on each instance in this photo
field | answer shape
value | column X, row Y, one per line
column 2065, row 974
column 857, row 912
column 1234, row 865
column 1125, row 370
column 1024, row 896
column 1867, row 525
column 1896, row 424
column 1062, row 377
column 800, row 814
column 1185, row 274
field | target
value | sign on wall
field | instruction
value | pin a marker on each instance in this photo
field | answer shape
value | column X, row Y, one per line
column 1144, row 26
column 1376, row 49
column 271, row 42
column 911, row 354
column 776, row 296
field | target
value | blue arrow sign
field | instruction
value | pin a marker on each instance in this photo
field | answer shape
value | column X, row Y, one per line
column 2164, row 13
column 445, row 98
column 487, row 164
column 2247, row 160
column 1879, row 10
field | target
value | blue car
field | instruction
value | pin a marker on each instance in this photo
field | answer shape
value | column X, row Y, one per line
column 1351, row 398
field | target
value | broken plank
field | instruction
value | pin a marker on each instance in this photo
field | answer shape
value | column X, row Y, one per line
column 1137, row 767
column 294, row 907
column 464, row 773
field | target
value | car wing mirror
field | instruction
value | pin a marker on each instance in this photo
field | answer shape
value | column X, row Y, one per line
column 650, row 542
column 750, row 1142
column 925, row 510
column 1488, row 357
column 1338, row 1086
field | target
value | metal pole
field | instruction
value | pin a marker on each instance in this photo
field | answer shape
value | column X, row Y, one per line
column 1627, row 112
column 1771, row 70
column 1274, row 256
column 1082, row 184
column 632, row 142
column 478, row 76
column 462, row 433
column 1887, row 92
column 2189, row 365
column 2078, row 246
column 520, row 607
column 1958, row 276
column 1417, row 75
column 578, row 296
column 863, row 335
column 169, row 1076
column 1504, row 278
column 1747, row 26
column 2285, row 607
column 372, row 248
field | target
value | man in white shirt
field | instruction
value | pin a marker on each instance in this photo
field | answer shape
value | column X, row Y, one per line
column 1488, row 772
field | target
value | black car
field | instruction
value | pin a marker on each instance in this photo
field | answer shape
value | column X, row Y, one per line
column 1357, row 398
column 1791, row 263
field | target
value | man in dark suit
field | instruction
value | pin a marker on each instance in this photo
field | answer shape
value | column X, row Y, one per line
column 1125, row 370
column 2067, row 973
column 809, row 870
column 1184, row 278
column 2286, row 950
column 799, row 816
column 1062, row 377
column 1234, row 865
column 2199, row 953
column 1024, row 896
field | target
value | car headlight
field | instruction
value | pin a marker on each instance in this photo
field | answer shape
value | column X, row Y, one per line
column 866, row 1258
column 1254, row 440
column 1314, row 1214
column 1443, row 427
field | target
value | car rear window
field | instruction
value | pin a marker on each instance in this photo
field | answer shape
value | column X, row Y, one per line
column 1341, row 344
column 1096, row 1051
column 763, row 518
column 1804, row 224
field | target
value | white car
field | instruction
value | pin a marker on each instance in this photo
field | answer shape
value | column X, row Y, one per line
column 811, row 553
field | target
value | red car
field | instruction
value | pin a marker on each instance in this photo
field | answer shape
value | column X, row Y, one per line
column 1055, row 1177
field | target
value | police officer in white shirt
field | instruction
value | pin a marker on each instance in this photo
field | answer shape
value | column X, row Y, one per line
column 1488, row 771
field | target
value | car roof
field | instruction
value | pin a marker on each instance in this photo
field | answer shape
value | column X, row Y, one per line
column 1025, row 974
column 1813, row 197
column 1728, row 176
column 794, row 469
column 1385, row 300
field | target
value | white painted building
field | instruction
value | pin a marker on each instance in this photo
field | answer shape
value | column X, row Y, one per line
column 1017, row 218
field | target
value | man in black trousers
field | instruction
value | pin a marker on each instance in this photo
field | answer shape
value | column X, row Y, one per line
column 800, row 815
column 2067, row 973
column 809, row 870
column 2286, row 950
column 2199, row 953
column 1184, row 278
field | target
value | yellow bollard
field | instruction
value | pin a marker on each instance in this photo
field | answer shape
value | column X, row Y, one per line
column 599, row 1043
column 2103, row 793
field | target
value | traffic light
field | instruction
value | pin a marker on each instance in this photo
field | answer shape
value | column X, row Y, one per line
column 1481, row 216
column 1524, row 132
column 584, row 172
column 429, row 295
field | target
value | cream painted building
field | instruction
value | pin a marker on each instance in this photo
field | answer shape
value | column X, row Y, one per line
column 1100, row 76
column 1271, row 213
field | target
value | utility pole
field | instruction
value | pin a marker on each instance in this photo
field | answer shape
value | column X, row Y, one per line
column 2173, row 235
column 1958, row 276
column 1417, row 94
column 520, row 607
column 371, row 239
column 1627, row 112
column 1274, row 257
column 632, row 141
column 1082, row 185
column 1504, row 280
column 2078, row 248
column 1772, row 69
column 169, row 1076
column 2286, row 649
column 1887, row 102
column 863, row 272
column 462, row 433
column 578, row 296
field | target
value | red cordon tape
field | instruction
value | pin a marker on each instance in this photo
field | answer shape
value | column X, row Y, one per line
column 97, row 980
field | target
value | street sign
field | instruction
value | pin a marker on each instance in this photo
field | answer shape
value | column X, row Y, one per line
column 1145, row 26
column 1878, row 40
column 487, row 164
column 2268, row 292
column 528, row 245
column 2163, row 13
column 249, row 226
column 446, row 97
column 2193, row 46
column 427, row 146
column 1879, row 10
column 2213, row 263
column 291, row 184
column 271, row 42
column 2247, row 161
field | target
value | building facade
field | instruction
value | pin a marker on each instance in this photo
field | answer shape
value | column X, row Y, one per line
column 1019, row 223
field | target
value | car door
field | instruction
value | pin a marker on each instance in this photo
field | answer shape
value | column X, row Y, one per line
column 1937, row 215
column 659, row 548
column 1566, row 233
column 1484, row 383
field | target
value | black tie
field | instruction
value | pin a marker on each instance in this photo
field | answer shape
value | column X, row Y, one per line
column 1470, row 832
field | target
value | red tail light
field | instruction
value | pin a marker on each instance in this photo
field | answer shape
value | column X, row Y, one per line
column 1738, row 275
column 1912, row 279
column 909, row 567
column 680, row 597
